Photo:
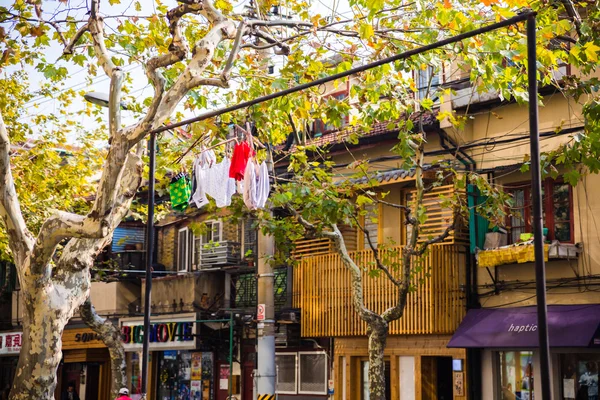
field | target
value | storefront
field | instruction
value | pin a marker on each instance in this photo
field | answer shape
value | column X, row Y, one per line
column 85, row 365
column 508, row 339
column 179, row 367
column 417, row 367
column 10, row 347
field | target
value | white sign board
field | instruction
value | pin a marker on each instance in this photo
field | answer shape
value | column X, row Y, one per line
column 166, row 333
column 260, row 313
column 10, row 343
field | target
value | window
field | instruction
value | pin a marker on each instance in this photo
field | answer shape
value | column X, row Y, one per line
column 313, row 373
column 213, row 234
column 286, row 373
column 249, row 237
column 321, row 128
column 515, row 375
column 427, row 81
column 184, row 253
column 304, row 372
column 579, row 376
column 557, row 204
column 371, row 225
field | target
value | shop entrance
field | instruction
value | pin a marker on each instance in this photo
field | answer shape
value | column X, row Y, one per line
column 436, row 373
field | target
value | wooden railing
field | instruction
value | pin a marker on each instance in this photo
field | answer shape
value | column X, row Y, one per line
column 438, row 217
column 323, row 293
column 312, row 247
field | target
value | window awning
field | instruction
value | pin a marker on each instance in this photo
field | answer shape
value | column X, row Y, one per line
column 568, row 326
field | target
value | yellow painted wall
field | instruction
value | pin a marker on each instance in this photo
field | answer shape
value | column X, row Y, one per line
column 586, row 212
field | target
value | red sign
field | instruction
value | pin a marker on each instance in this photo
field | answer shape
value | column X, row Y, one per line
column 260, row 313
column 10, row 343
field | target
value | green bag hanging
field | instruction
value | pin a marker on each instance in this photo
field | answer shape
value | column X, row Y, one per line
column 180, row 191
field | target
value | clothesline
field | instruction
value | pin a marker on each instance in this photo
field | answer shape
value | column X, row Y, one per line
column 200, row 139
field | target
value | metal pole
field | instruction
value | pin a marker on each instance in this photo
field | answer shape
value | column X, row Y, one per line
column 230, row 354
column 149, row 253
column 536, row 187
column 401, row 56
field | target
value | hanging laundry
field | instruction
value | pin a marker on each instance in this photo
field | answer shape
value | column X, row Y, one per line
column 239, row 160
column 263, row 186
column 180, row 191
column 250, row 182
column 201, row 165
column 256, row 185
column 218, row 184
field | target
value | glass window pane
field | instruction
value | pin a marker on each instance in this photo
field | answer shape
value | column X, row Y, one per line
column 579, row 373
column 286, row 373
column 562, row 231
column 516, row 375
column 313, row 377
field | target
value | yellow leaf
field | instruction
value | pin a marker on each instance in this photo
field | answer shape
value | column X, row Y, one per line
column 489, row 2
column 591, row 51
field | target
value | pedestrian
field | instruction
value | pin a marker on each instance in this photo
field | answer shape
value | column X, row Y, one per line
column 123, row 394
column 71, row 393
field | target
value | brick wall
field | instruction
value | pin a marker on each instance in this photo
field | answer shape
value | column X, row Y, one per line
column 167, row 239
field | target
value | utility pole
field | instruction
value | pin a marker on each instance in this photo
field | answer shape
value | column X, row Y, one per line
column 266, row 372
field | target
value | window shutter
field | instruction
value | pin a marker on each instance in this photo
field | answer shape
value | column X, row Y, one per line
column 182, row 250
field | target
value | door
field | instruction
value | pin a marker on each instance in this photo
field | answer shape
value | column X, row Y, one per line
column 248, row 381
column 92, row 381
column 436, row 378
column 364, row 387
column 444, row 378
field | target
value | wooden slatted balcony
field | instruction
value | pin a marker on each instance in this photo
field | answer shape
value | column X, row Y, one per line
column 322, row 292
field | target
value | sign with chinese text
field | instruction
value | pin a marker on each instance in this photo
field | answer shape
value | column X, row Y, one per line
column 10, row 343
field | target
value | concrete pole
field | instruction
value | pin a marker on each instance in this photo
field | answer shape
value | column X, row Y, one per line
column 266, row 329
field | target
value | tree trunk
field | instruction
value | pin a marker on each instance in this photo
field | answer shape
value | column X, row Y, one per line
column 378, row 332
column 111, row 337
column 41, row 349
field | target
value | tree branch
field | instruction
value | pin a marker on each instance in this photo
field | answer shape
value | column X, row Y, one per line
column 437, row 239
column 222, row 28
column 96, row 29
column 234, row 51
column 111, row 337
column 375, row 252
column 114, row 102
column 20, row 239
column 38, row 12
column 573, row 14
column 60, row 226
column 70, row 46
column 79, row 254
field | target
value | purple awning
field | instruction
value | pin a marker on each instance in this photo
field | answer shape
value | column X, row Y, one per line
column 568, row 326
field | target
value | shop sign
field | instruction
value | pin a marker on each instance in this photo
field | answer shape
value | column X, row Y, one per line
column 165, row 334
column 10, row 343
column 84, row 338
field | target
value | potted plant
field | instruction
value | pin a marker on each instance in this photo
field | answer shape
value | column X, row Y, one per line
column 249, row 257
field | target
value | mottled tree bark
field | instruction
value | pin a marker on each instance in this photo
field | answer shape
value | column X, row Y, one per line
column 111, row 337
column 377, row 332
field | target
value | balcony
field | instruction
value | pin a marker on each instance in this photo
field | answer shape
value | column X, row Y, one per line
column 219, row 254
column 322, row 291
column 206, row 291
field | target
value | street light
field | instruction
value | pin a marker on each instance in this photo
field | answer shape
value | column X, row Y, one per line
column 101, row 99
